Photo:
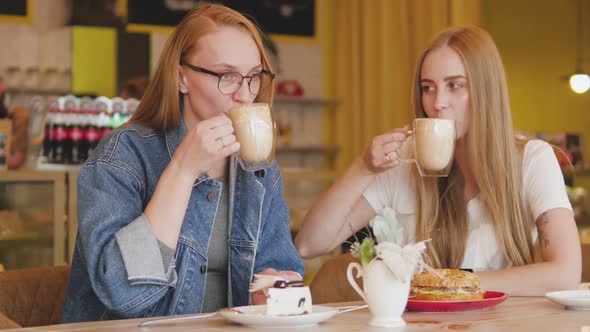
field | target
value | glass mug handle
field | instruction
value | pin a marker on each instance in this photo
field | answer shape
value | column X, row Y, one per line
column 350, row 277
column 409, row 133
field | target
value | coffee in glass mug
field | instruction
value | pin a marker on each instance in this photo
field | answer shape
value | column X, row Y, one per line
column 433, row 145
column 254, row 128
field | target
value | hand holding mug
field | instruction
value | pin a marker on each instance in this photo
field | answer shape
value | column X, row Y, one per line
column 432, row 142
column 434, row 146
column 206, row 143
column 382, row 152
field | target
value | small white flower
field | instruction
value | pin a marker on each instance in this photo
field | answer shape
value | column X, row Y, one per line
column 403, row 262
column 386, row 227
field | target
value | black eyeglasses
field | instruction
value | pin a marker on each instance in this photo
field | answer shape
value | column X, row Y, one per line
column 230, row 82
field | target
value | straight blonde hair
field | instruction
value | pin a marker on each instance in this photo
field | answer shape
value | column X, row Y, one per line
column 493, row 153
column 160, row 106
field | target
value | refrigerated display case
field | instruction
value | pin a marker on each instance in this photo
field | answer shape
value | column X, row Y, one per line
column 32, row 218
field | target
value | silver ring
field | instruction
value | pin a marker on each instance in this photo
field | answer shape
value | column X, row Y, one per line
column 387, row 157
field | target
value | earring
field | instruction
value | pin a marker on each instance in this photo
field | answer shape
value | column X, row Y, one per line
column 183, row 90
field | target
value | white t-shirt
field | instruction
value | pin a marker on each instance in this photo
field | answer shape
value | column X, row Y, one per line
column 544, row 189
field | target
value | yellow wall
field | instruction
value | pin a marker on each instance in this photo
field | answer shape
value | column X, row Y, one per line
column 537, row 41
column 94, row 60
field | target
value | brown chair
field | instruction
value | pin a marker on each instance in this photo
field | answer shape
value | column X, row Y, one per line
column 32, row 297
column 330, row 283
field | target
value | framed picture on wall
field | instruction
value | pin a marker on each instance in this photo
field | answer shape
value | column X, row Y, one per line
column 16, row 11
column 5, row 141
column 282, row 18
column 278, row 18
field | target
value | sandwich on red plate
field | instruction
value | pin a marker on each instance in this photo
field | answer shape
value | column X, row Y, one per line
column 446, row 285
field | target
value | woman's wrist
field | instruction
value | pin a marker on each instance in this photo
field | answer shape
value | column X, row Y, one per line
column 178, row 173
column 359, row 167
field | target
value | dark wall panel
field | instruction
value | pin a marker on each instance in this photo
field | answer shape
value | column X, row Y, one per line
column 133, row 57
column 288, row 17
column 13, row 7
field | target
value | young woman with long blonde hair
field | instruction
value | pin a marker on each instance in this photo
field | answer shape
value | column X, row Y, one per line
column 503, row 210
column 168, row 224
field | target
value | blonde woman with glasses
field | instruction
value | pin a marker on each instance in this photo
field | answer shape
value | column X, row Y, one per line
column 168, row 224
column 503, row 211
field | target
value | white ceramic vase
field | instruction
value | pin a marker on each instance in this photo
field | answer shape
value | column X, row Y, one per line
column 385, row 294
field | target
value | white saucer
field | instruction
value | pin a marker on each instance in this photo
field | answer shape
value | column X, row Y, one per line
column 575, row 299
column 255, row 316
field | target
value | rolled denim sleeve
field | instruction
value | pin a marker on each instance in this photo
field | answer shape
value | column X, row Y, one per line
column 128, row 278
column 144, row 256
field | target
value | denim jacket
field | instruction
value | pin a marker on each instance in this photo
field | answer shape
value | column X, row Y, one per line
column 118, row 270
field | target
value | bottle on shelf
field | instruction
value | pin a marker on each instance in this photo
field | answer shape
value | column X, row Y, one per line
column 73, row 135
column 48, row 138
column 104, row 110
column 86, row 114
column 93, row 131
column 56, row 155
column 117, row 118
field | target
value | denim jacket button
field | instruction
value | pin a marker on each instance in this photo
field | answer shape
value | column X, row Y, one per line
column 203, row 269
column 211, row 197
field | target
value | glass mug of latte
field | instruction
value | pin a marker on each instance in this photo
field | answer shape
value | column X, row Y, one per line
column 433, row 146
column 255, row 130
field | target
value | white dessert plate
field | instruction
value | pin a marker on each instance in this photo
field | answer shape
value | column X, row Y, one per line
column 574, row 299
column 255, row 316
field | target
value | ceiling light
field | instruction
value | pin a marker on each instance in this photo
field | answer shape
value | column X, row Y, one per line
column 580, row 82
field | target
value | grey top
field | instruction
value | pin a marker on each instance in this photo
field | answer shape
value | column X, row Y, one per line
column 216, row 295
column 216, row 289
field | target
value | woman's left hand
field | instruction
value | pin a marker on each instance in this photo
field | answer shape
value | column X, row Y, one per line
column 259, row 297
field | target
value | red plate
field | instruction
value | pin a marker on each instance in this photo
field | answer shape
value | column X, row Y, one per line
column 490, row 299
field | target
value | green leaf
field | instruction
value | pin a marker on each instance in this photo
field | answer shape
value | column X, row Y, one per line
column 367, row 250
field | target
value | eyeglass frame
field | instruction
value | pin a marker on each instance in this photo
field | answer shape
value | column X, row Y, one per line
column 220, row 75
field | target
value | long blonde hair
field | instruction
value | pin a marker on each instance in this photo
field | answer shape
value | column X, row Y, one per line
column 493, row 153
column 159, row 108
